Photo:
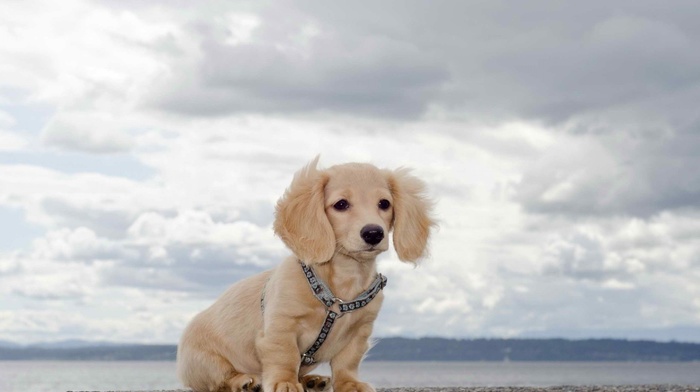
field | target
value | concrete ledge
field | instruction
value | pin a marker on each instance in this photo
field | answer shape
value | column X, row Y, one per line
column 587, row 388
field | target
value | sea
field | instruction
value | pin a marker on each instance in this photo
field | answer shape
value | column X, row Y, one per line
column 55, row 376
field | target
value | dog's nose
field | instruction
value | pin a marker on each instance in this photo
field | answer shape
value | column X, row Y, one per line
column 372, row 234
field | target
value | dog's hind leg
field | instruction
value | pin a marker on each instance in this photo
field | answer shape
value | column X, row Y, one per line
column 210, row 372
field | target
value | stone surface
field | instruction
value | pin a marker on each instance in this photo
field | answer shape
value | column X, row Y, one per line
column 587, row 388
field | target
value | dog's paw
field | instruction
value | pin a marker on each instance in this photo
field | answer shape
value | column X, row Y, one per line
column 352, row 386
column 315, row 383
column 245, row 383
column 254, row 385
column 285, row 386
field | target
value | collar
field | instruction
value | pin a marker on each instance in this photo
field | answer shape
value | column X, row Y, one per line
column 324, row 294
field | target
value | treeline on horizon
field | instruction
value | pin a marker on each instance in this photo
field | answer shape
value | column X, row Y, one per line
column 423, row 349
column 440, row 349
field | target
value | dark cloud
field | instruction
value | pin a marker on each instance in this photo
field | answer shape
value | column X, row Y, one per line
column 610, row 60
column 535, row 60
column 370, row 77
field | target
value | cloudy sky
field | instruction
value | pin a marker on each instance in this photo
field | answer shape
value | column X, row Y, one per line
column 143, row 146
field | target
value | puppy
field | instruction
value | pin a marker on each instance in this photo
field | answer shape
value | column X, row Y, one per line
column 260, row 331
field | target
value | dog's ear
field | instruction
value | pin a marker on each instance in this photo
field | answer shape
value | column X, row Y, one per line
column 412, row 220
column 300, row 218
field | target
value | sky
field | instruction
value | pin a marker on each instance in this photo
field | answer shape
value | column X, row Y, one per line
column 143, row 146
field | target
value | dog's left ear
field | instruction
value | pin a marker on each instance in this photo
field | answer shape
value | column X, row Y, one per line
column 300, row 218
column 412, row 220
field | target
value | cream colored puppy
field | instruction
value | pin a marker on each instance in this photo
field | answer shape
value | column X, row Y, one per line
column 336, row 221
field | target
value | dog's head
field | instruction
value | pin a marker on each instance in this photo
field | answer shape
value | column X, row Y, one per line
column 350, row 209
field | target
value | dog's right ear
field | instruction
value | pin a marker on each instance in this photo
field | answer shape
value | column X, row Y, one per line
column 412, row 215
column 300, row 217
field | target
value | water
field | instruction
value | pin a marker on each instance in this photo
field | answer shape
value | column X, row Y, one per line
column 41, row 376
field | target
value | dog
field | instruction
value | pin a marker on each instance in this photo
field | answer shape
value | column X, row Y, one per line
column 335, row 221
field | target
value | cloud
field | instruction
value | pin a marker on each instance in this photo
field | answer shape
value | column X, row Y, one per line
column 507, row 61
column 6, row 120
column 9, row 141
column 53, row 199
column 613, row 175
column 87, row 132
column 302, row 67
column 87, row 63
column 616, row 268
column 535, row 275
column 558, row 142
column 593, row 64
column 189, row 252
column 64, row 212
column 51, row 288
column 152, row 323
column 80, row 244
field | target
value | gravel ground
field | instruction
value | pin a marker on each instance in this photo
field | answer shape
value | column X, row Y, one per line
column 591, row 388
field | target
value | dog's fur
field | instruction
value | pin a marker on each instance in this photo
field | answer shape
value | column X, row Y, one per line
column 234, row 345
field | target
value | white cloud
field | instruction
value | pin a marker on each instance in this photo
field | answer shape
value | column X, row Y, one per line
column 88, row 132
column 10, row 141
column 76, row 51
column 240, row 28
column 53, row 199
column 80, row 244
column 6, row 120
column 91, row 64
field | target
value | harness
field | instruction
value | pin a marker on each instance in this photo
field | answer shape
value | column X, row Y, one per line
column 324, row 294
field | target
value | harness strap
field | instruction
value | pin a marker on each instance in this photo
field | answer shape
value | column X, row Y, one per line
column 324, row 294
column 321, row 290
column 307, row 358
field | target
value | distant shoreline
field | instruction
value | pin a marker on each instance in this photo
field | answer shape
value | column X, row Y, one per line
column 404, row 349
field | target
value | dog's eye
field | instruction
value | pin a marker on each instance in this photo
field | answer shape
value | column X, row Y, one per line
column 384, row 204
column 341, row 205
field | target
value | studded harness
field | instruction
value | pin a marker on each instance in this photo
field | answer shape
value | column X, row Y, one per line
column 324, row 294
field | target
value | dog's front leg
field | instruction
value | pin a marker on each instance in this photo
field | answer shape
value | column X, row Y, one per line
column 280, row 358
column 346, row 363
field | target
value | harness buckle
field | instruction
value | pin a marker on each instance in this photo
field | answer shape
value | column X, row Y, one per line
column 340, row 304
